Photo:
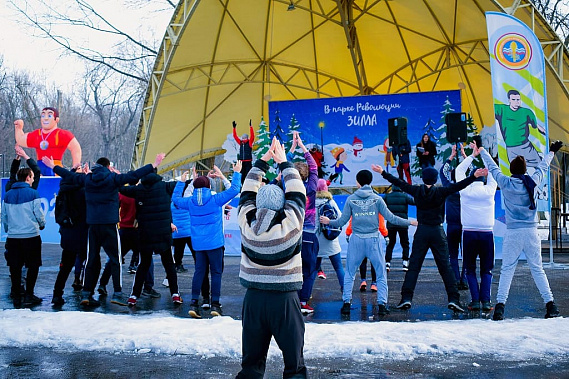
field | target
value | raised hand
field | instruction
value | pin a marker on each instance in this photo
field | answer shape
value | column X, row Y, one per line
column 184, row 176
column 377, row 168
column 299, row 141
column 159, row 158
column 234, row 124
column 236, row 167
column 474, row 148
column 555, row 146
column 481, row 172
column 48, row 161
column 294, row 141
column 19, row 124
column 278, row 151
column 21, row 152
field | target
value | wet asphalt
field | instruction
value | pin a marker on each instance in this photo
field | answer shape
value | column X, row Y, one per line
column 429, row 304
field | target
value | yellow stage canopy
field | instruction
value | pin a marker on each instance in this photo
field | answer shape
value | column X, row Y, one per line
column 224, row 60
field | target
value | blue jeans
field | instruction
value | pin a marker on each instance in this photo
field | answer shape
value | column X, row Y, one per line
column 478, row 243
column 214, row 259
column 336, row 261
column 309, row 256
column 358, row 249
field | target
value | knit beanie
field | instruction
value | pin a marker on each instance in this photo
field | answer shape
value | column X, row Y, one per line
column 270, row 196
column 364, row 177
column 201, row 182
column 518, row 165
column 430, row 175
column 321, row 186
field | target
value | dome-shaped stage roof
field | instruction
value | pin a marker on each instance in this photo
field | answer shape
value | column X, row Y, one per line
column 223, row 60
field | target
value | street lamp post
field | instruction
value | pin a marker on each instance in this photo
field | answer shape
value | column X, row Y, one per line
column 321, row 125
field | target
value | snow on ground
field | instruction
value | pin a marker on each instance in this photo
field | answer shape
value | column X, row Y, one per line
column 162, row 333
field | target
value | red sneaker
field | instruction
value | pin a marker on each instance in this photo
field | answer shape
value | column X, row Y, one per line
column 321, row 275
column 363, row 286
column 306, row 309
column 177, row 299
column 131, row 301
column 373, row 287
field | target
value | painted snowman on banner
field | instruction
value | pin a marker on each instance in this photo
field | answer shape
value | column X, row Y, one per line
column 358, row 150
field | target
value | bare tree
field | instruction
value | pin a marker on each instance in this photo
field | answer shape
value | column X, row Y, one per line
column 63, row 24
column 556, row 14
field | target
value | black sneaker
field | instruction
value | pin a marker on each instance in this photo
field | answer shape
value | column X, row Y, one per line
column 77, row 285
column 17, row 300
column 132, row 269
column 474, row 306
column 216, row 309
column 32, row 300
column 345, row 309
column 180, row 269
column 57, row 300
column 382, row 310
column 89, row 301
column 455, row 306
column 552, row 310
column 487, row 306
column 404, row 305
column 151, row 293
column 206, row 303
column 102, row 290
column 194, row 309
column 498, row 312
column 462, row 286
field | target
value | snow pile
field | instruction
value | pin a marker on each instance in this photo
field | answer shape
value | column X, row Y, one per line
column 162, row 333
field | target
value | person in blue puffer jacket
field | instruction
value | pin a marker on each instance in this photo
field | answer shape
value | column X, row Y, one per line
column 207, row 232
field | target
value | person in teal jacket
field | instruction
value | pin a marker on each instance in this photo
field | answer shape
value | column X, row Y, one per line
column 207, row 232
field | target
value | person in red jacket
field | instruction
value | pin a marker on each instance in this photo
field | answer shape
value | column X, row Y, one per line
column 245, row 149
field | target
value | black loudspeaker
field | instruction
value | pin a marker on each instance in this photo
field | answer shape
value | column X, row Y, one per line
column 397, row 130
column 456, row 127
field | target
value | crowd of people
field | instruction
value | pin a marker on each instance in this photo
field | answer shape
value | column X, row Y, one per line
column 284, row 235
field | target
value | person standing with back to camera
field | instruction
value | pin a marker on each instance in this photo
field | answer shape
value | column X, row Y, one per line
column 426, row 151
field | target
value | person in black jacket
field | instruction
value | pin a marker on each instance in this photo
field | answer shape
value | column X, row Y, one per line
column 430, row 234
column 398, row 203
column 73, row 237
column 152, row 197
column 102, row 199
column 426, row 151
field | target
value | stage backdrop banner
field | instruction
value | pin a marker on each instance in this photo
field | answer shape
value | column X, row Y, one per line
column 520, row 104
column 47, row 188
column 354, row 130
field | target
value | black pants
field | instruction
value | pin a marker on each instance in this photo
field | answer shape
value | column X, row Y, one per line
column 20, row 252
column 102, row 236
column 245, row 168
column 403, row 240
column 276, row 314
column 128, row 241
column 68, row 259
column 434, row 238
column 142, row 271
column 363, row 270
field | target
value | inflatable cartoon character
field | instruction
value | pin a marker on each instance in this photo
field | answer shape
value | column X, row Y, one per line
column 49, row 140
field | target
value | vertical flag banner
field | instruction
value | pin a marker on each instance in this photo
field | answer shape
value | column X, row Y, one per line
column 518, row 86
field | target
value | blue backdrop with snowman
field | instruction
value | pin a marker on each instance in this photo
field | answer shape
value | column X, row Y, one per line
column 353, row 130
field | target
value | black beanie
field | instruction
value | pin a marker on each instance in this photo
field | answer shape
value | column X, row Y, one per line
column 430, row 175
column 518, row 165
column 364, row 177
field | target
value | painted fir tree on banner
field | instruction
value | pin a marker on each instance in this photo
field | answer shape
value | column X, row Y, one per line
column 278, row 132
column 443, row 145
column 294, row 126
column 262, row 145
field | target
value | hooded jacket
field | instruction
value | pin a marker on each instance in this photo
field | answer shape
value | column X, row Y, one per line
column 364, row 206
column 477, row 201
column 152, row 198
column 75, row 237
column 271, row 240
column 22, row 216
column 514, row 193
column 180, row 216
column 102, row 190
column 398, row 203
column 430, row 201
column 206, row 213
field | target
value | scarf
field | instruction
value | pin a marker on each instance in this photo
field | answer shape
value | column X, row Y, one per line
column 338, row 163
column 530, row 187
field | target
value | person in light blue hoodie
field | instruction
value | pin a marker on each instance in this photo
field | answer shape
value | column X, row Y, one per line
column 518, row 192
column 207, row 233
column 364, row 206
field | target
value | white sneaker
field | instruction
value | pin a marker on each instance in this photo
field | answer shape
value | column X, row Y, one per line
column 165, row 283
column 405, row 265
column 387, row 266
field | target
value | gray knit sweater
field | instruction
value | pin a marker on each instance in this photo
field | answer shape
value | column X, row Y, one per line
column 270, row 240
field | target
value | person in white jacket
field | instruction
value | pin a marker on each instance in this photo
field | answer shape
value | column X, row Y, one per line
column 477, row 218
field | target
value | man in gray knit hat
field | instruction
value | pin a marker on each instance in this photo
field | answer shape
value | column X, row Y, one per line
column 271, row 268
